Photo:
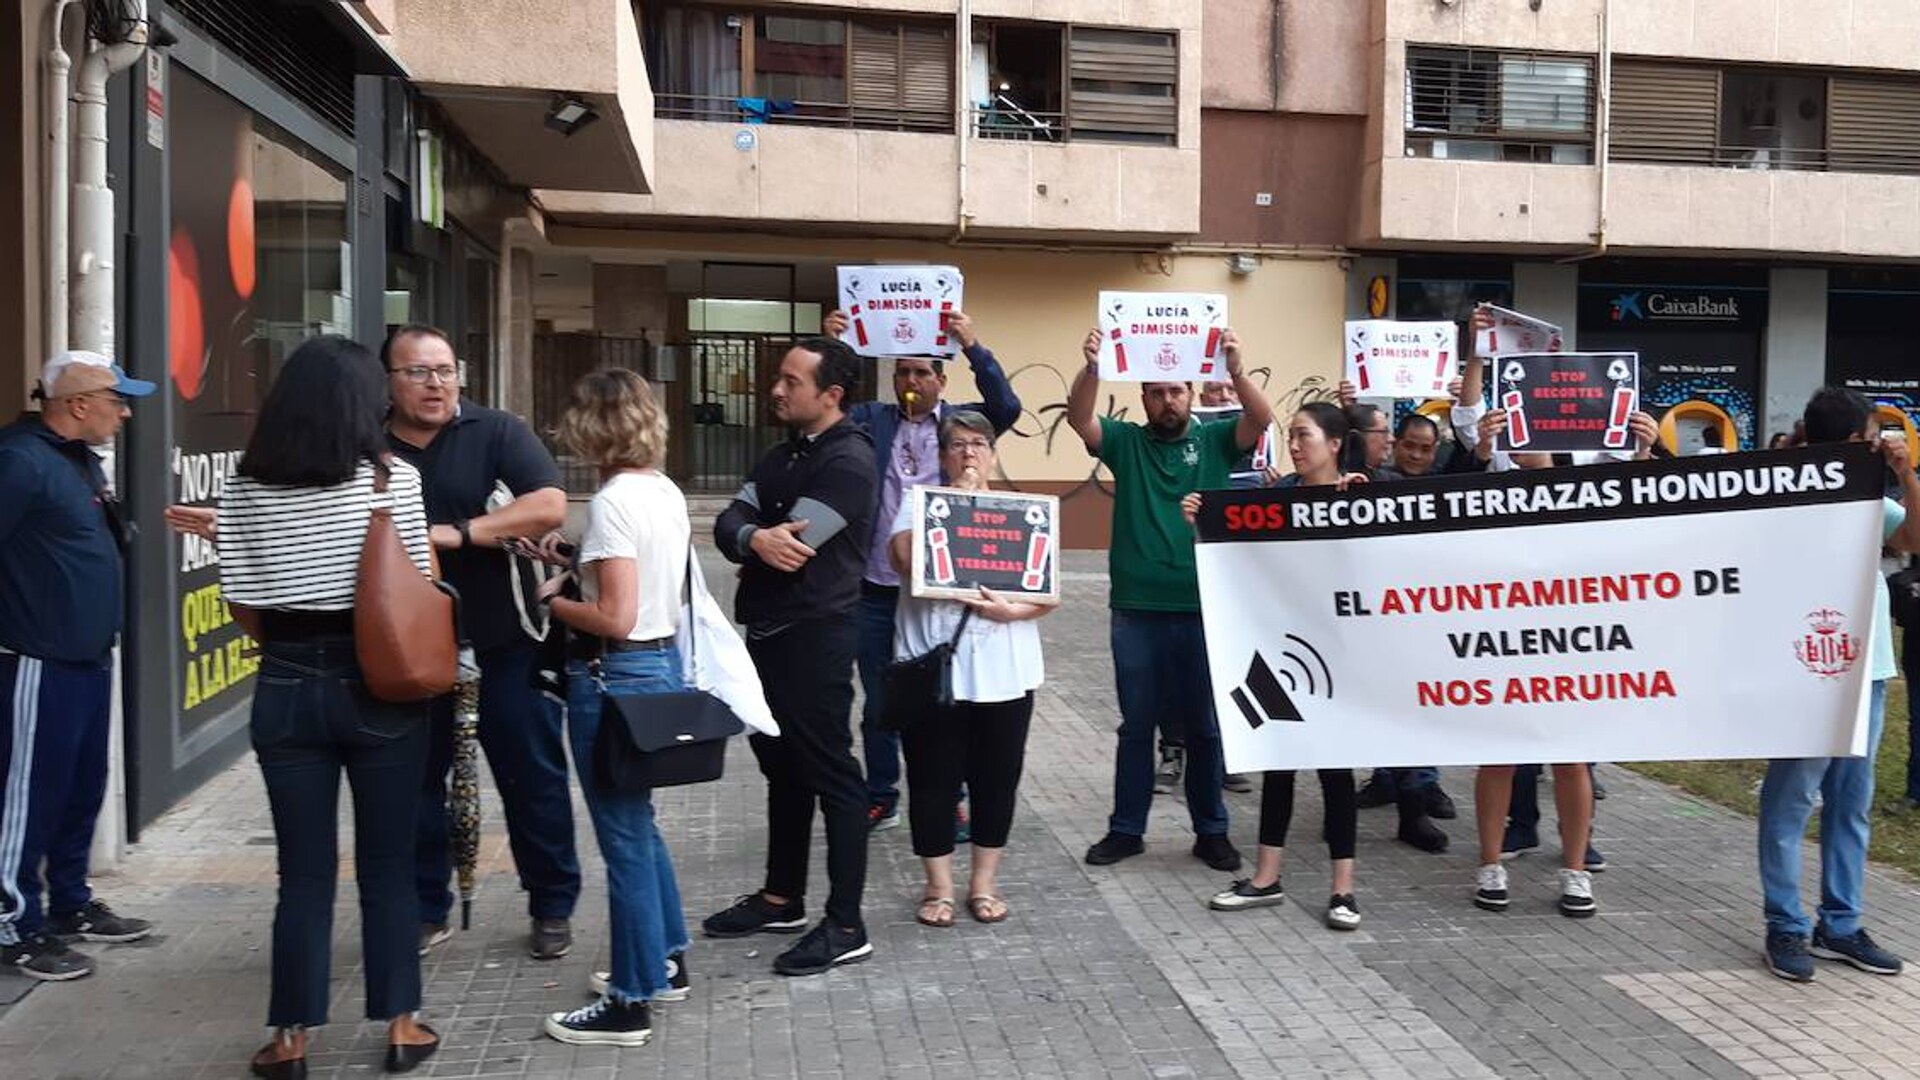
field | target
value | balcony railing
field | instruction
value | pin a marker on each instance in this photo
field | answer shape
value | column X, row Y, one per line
column 750, row 110
column 1003, row 119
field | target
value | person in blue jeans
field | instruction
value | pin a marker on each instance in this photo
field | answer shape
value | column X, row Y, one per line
column 633, row 562
column 1844, row 784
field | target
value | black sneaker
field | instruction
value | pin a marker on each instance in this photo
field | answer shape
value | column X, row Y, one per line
column 1440, row 804
column 825, row 946
column 1113, row 847
column 752, row 914
column 1238, row 783
column 1787, row 956
column 1519, row 840
column 1245, row 894
column 97, row 922
column 1857, row 949
column 1595, row 862
column 881, row 817
column 677, row 987
column 550, row 939
column 603, row 1023
column 1376, row 791
column 1419, row 831
column 1217, row 852
column 1173, row 762
column 45, row 957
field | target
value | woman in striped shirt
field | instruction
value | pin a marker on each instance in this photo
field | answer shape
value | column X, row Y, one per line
column 290, row 528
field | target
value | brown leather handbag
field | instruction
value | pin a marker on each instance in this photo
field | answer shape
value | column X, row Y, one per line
column 403, row 621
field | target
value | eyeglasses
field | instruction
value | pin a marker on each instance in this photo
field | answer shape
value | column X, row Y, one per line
column 118, row 399
column 1377, row 431
column 962, row 446
column 423, row 375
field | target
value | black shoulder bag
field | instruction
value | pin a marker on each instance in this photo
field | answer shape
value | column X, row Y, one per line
column 648, row 741
column 917, row 687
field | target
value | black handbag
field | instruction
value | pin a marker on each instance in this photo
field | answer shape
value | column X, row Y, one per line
column 1904, row 587
column 918, row 686
column 648, row 741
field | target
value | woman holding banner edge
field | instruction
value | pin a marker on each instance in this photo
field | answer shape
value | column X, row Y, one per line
column 1315, row 437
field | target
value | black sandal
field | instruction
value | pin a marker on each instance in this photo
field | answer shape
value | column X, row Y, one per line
column 282, row 1068
column 406, row 1057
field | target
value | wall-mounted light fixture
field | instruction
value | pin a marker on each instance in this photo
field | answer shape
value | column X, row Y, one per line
column 1243, row 264
column 569, row 114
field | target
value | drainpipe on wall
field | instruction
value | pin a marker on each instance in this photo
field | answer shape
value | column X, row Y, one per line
column 1602, row 131
column 962, row 112
column 59, row 86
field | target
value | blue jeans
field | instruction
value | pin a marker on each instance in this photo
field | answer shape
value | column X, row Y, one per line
column 1407, row 780
column 880, row 748
column 1160, row 671
column 1786, row 801
column 520, row 731
column 643, row 897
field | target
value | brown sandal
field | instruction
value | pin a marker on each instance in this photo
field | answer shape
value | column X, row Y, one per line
column 981, row 908
column 935, row 911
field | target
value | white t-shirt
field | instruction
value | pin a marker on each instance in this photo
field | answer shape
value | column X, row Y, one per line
column 298, row 548
column 640, row 516
column 994, row 661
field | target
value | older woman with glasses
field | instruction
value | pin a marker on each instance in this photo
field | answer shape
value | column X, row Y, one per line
column 982, row 738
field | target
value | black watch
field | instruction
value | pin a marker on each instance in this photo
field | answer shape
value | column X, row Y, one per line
column 466, row 536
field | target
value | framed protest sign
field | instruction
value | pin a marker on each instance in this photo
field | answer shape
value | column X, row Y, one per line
column 900, row 310
column 1656, row 610
column 1388, row 359
column 1563, row 402
column 1513, row 332
column 1006, row 541
column 1161, row 337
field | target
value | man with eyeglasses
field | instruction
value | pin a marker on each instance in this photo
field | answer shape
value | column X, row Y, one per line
column 464, row 452
column 61, row 603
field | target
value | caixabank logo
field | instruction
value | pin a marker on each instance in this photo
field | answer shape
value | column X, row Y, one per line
column 1268, row 691
column 1827, row 648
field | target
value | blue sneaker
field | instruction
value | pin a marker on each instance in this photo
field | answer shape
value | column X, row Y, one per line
column 1857, row 949
column 1787, row 956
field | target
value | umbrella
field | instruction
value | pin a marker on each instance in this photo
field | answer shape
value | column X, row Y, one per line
column 464, row 805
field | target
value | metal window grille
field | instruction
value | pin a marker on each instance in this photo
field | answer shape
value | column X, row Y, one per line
column 1499, row 106
column 290, row 45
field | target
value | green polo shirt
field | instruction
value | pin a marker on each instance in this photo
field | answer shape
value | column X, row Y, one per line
column 1150, row 562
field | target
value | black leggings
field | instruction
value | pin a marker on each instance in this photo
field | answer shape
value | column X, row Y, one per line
column 1343, row 813
column 984, row 745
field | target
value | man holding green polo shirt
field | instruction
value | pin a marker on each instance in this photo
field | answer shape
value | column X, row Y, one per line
column 1159, row 648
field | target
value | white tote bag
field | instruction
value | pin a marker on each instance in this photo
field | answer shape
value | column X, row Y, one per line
column 719, row 662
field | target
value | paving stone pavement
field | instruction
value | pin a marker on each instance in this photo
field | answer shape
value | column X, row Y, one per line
column 1102, row 972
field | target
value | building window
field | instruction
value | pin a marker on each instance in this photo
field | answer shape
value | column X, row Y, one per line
column 1772, row 121
column 1475, row 105
column 1018, row 81
column 1052, row 83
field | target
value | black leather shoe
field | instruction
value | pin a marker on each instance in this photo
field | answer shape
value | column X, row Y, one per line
column 285, row 1069
column 406, row 1057
column 1440, row 804
column 551, row 938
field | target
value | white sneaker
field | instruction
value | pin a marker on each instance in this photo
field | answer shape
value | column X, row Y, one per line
column 1491, row 892
column 1576, row 894
column 677, row 987
column 1343, row 912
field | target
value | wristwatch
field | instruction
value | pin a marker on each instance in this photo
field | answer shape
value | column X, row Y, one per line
column 466, row 537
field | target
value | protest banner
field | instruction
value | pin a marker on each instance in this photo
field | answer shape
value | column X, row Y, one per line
column 900, row 310
column 1161, row 337
column 1006, row 541
column 1387, row 359
column 1562, row 402
column 1513, row 332
column 1630, row 611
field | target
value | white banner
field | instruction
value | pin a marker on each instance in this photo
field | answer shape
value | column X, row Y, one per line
column 1709, row 607
column 1513, row 332
column 900, row 310
column 1161, row 337
column 1387, row 359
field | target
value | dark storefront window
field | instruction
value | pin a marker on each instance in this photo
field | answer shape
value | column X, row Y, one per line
column 1870, row 344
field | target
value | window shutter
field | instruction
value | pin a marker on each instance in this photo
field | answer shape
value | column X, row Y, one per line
column 1873, row 125
column 926, row 75
column 1123, row 85
column 875, row 65
column 1665, row 113
column 902, row 77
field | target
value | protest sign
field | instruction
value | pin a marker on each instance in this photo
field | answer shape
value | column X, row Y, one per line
column 1161, row 337
column 1513, row 332
column 1401, row 359
column 900, row 310
column 1561, row 402
column 1003, row 540
column 1629, row 611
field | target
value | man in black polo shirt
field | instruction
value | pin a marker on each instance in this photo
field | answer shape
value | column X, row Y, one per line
column 60, row 607
column 799, row 530
column 464, row 451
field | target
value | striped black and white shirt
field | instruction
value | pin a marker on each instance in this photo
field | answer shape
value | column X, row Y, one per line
column 298, row 548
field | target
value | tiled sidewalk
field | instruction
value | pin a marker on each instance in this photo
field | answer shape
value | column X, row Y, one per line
column 1117, row 971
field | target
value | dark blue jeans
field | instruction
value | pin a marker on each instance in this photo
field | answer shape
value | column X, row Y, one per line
column 1910, row 666
column 522, row 734
column 643, row 896
column 313, row 720
column 53, row 757
column 880, row 748
column 1160, row 672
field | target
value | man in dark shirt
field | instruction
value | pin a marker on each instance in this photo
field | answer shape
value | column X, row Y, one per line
column 60, row 609
column 464, row 453
column 799, row 529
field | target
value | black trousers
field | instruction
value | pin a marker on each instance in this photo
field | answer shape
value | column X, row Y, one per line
column 807, row 672
column 982, row 744
column 1343, row 813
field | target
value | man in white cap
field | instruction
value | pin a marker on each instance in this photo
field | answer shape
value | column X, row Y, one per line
column 60, row 610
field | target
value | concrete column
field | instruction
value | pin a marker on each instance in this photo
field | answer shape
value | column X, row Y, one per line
column 628, row 299
column 1550, row 291
column 1795, row 361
